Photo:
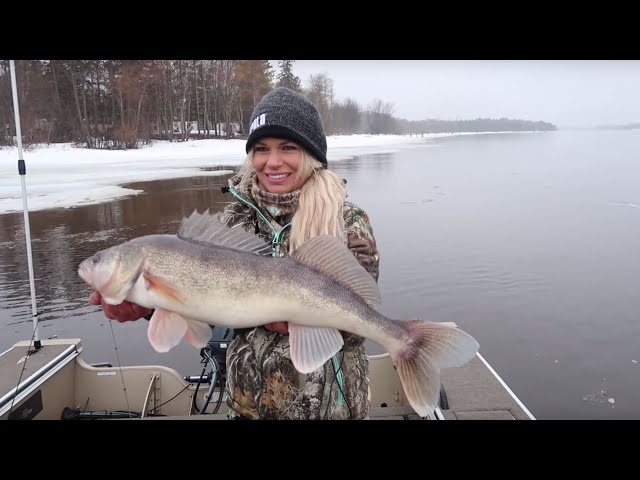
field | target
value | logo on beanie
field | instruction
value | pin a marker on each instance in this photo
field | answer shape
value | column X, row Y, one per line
column 259, row 121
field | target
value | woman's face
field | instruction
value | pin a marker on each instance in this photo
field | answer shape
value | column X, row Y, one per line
column 276, row 162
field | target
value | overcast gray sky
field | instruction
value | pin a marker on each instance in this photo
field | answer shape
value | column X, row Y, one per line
column 566, row 93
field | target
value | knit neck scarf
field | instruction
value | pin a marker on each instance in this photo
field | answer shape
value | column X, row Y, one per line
column 279, row 206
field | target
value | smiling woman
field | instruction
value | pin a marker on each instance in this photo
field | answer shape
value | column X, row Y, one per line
column 286, row 195
column 277, row 164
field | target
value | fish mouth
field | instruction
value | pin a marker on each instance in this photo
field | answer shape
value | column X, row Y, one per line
column 85, row 273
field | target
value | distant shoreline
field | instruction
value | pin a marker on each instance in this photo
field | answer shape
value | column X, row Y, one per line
column 370, row 138
column 66, row 176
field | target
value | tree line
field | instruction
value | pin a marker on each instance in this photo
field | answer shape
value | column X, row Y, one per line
column 477, row 125
column 625, row 126
column 120, row 104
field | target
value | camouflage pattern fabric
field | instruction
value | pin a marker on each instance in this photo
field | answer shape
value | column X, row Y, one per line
column 262, row 382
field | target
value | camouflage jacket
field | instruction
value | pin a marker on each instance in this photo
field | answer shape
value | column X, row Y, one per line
column 261, row 380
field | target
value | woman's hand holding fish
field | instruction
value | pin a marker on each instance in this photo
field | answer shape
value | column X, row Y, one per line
column 124, row 312
column 280, row 327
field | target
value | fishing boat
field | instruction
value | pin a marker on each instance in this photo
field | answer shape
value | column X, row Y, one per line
column 53, row 382
column 50, row 380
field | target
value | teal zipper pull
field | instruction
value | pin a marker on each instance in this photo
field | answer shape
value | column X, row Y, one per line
column 338, row 373
column 274, row 243
column 276, row 239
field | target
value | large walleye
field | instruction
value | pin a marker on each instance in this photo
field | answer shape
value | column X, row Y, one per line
column 210, row 274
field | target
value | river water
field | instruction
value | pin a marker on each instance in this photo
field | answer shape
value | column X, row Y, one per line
column 527, row 241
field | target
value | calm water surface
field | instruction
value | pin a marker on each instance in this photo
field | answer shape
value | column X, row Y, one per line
column 527, row 241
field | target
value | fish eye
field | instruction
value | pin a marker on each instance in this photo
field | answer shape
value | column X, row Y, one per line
column 96, row 258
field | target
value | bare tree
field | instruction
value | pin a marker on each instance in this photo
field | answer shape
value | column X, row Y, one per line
column 380, row 117
column 320, row 92
column 130, row 86
column 346, row 117
column 254, row 79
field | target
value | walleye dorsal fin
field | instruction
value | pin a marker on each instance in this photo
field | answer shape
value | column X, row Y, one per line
column 330, row 256
column 311, row 347
column 206, row 228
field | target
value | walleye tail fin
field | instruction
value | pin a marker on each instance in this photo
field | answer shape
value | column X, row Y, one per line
column 432, row 346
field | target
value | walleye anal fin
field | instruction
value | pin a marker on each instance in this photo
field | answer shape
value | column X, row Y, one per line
column 159, row 286
column 311, row 347
column 206, row 228
column 330, row 256
column 166, row 329
column 432, row 346
column 198, row 333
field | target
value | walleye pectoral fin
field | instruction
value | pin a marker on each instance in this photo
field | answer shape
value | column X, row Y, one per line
column 159, row 286
column 166, row 329
column 330, row 256
column 198, row 333
column 311, row 347
column 206, row 228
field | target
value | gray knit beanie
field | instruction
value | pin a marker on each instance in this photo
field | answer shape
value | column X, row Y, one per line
column 283, row 113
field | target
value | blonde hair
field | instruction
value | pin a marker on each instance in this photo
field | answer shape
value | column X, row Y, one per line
column 321, row 202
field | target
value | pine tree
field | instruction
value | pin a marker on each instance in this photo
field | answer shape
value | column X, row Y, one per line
column 286, row 78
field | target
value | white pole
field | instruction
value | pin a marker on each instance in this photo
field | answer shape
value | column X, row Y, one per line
column 22, row 170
